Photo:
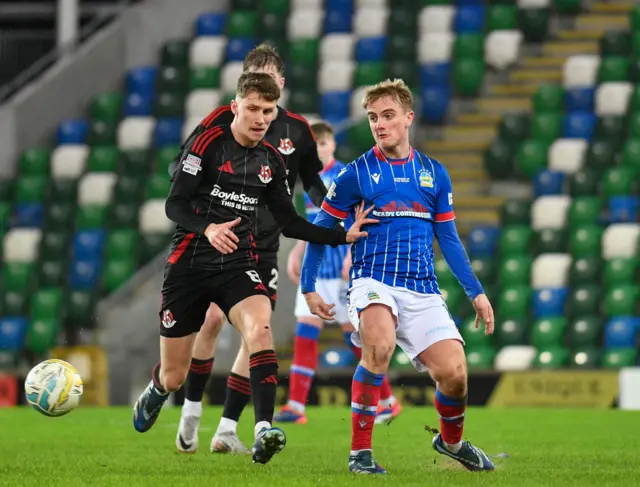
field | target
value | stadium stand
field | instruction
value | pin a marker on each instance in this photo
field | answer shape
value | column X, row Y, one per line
column 561, row 268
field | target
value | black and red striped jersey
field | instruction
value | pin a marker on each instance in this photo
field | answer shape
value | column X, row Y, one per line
column 291, row 135
column 218, row 180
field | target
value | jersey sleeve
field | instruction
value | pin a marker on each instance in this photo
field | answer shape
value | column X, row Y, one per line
column 344, row 193
column 444, row 198
column 188, row 177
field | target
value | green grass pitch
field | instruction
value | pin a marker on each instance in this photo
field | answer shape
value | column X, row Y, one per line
column 99, row 447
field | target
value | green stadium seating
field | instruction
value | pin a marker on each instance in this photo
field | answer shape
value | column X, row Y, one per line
column 164, row 158
column 515, row 240
column 584, row 183
column 368, row 73
column 359, row 135
column 135, row 162
column 400, row 360
column 14, row 303
column 175, row 53
column 60, row 215
column 584, row 331
column 172, row 79
column 6, row 190
column 102, row 133
column 634, row 125
column 5, row 215
column 91, row 216
column 622, row 300
column 511, row 331
column 613, row 68
column 514, row 127
column 47, row 303
column 454, row 296
column 548, row 332
column 515, row 212
column 619, row 181
column 445, row 276
column 107, row 107
column 31, row 189
column 513, row 301
column 122, row 243
column 304, row 102
column 468, row 46
column 531, row 157
column 498, row 158
column 402, row 21
column 549, row 240
column 302, row 77
column 585, row 270
column 585, row 210
column 272, row 27
column 116, row 272
column 484, row 268
column 480, row 358
column 619, row 357
column 55, row 243
column 34, row 162
column 468, row 75
column 631, row 154
column 585, row 240
column 501, row 17
column 52, row 272
column 585, row 358
column 18, row 276
column 515, row 270
column 42, row 335
column 204, row 78
column 621, row 271
column 567, row 6
column 403, row 70
column 169, row 105
column 548, row 99
column 79, row 308
column 123, row 215
column 304, row 52
column 103, row 159
column 129, row 188
column 474, row 337
column 546, row 127
column 610, row 128
column 244, row 4
column 242, row 23
column 63, row 190
column 152, row 245
column 599, row 155
column 401, row 47
column 534, row 23
column 551, row 358
column 584, row 300
column 615, row 43
column 275, row 6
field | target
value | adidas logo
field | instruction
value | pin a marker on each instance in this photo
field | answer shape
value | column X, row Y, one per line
column 271, row 379
column 226, row 167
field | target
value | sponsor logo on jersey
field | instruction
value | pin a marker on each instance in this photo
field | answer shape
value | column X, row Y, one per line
column 265, row 174
column 286, row 146
column 239, row 201
column 376, row 177
column 394, row 209
column 192, row 164
column 401, row 180
column 450, row 199
column 332, row 191
column 426, row 180
column 167, row 319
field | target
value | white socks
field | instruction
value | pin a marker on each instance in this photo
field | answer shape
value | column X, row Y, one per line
column 298, row 407
column 259, row 426
column 227, row 425
column 192, row 408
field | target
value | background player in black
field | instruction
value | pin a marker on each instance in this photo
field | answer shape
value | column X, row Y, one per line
column 292, row 136
column 225, row 173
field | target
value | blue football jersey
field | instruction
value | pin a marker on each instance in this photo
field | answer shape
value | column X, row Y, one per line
column 410, row 196
column 331, row 266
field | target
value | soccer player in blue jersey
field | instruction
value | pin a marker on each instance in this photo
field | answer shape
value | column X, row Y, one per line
column 394, row 295
column 332, row 287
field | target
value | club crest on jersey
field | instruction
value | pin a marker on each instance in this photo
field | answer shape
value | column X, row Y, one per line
column 426, row 180
column 286, row 146
column 167, row 319
column 192, row 165
column 373, row 296
column 265, row 174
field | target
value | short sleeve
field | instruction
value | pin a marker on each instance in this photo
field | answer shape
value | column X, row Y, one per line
column 343, row 194
column 444, row 199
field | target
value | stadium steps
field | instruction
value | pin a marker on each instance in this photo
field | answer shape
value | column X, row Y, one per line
column 464, row 141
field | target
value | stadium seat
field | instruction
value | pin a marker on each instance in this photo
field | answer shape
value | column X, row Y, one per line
column 28, row 215
column 548, row 98
column 435, row 104
column 91, row 216
column 207, row 24
column 55, row 243
column 621, row 240
column 468, row 76
column 42, row 334
column 31, row 189
column 514, row 358
column 515, row 240
column 546, row 126
column 515, row 212
column 618, row 181
column 513, row 301
column 138, row 105
column 482, row 241
column 615, row 43
column 613, row 68
column 578, row 125
column 584, row 240
column 514, row 127
column 584, row 358
column 584, row 183
column 96, row 188
column 52, row 272
column 621, row 332
column 47, row 303
column 484, row 268
column 579, row 99
column 581, row 70
column 501, row 17
column 34, row 162
column 531, row 157
column 551, row 358
column 21, row 245
column 13, row 331
column 207, row 51
column 168, row 131
column 116, row 272
column 622, row 300
column 103, row 159
column 623, row 209
column 584, row 331
column 474, row 337
column 153, row 218
column 502, row 48
column 370, row 21
column 436, row 18
column 550, row 241
column 584, row 300
column 621, row 271
column 619, row 357
column 152, row 245
column 14, row 303
column 435, row 74
column 135, row 163
column 611, row 128
column 548, row 332
column 567, row 155
column 135, row 133
column 204, row 78
column 550, row 212
column 585, row 270
column 107, row 107
column 336, row 76
column 585, row 210
column 72, row 132
column 18, row 276
column 613, row 98
column 305, row 23
column 435, row 47
column 68, row 161
column 548, row 183
column 79, row 307
column 549, row 302
column 511, row 331
column 480, row 358
column 88, row 244
column 550, row 271
column 498, row 159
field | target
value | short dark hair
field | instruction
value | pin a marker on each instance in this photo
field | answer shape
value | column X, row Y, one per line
column 260, row 83
column 261, row 56
column 321, row 129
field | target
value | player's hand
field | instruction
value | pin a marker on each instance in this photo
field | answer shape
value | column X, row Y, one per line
column 221, row 236
column 346, row 266
column 354, row 234
column 318, row 307
column 294, row 267
column 484, row 312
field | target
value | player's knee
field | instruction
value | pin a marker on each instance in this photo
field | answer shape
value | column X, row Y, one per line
column 172, row 379
column 259, row 335
column 378, row 355
column 453, row 378
column 212, row 326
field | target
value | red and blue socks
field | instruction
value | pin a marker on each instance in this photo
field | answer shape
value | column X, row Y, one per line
column 365, row 394
column 451, row 411
column 305, row 362
column 386, row 394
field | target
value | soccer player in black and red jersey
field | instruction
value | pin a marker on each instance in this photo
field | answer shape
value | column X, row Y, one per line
column 225, row 174
column 292, row 136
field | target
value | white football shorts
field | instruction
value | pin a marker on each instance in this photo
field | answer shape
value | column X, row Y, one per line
column 423, row 319
column 333, row 291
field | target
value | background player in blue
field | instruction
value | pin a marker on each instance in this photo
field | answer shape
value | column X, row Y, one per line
column 333, row 288
column 394, row 295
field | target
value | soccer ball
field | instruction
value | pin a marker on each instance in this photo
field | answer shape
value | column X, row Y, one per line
column 53, row 387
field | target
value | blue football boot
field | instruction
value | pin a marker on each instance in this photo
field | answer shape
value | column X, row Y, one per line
column 364, row 463
column 471, row 458
column 147, row 408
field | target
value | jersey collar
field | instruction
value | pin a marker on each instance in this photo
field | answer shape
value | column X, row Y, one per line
column 381, row 157
column 328, row 166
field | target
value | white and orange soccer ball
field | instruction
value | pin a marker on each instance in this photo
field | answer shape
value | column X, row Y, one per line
column 53, row 387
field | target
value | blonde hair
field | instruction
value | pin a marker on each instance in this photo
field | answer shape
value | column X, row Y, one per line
column 397, row 90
